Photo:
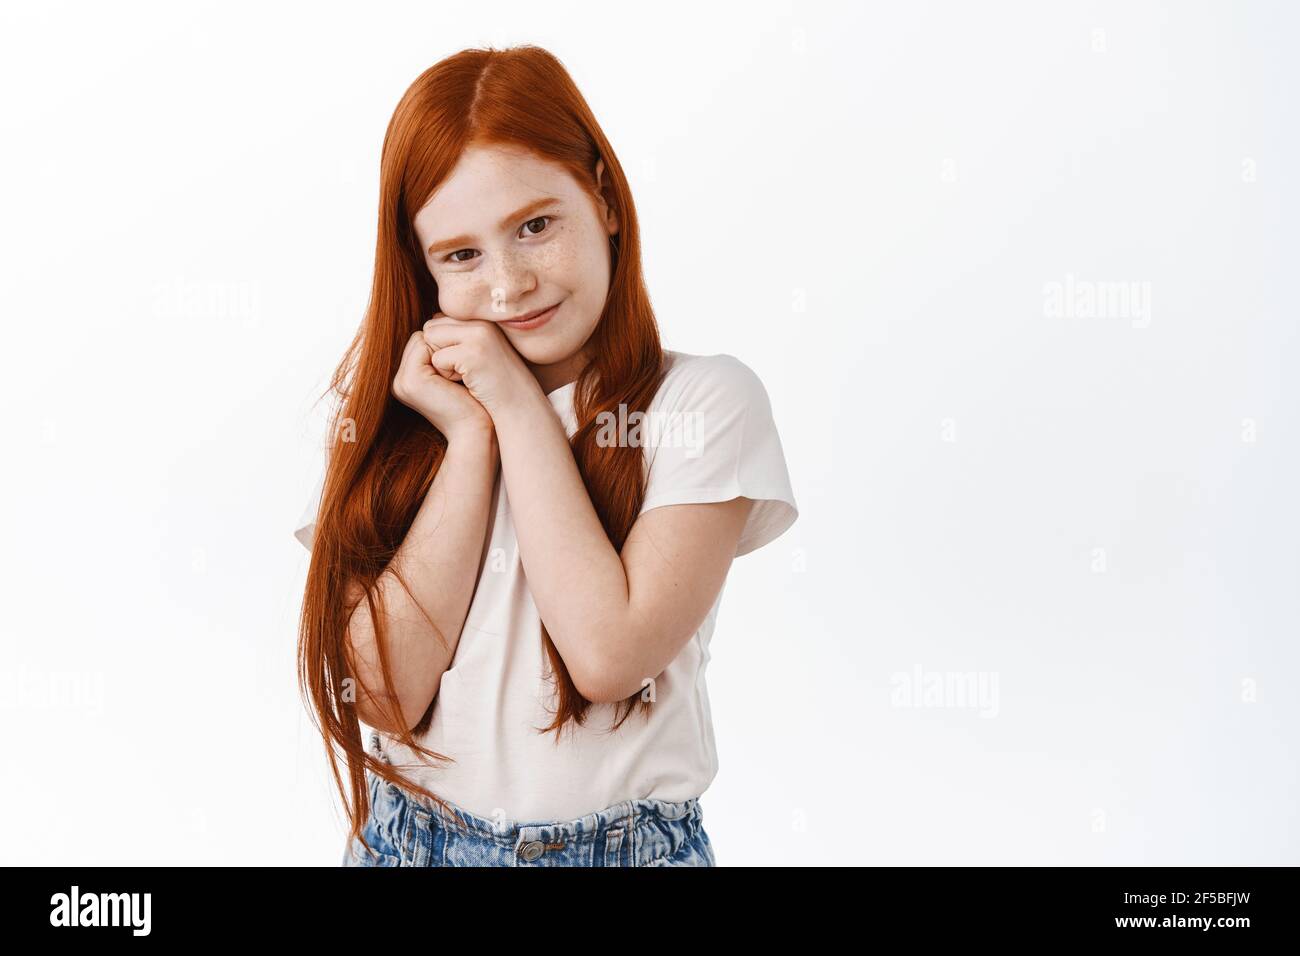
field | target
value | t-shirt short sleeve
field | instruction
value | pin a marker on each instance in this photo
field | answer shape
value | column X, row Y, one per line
column 710, row 436
column 305, row 528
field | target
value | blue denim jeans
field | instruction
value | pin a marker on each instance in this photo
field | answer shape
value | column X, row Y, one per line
column 405, row 829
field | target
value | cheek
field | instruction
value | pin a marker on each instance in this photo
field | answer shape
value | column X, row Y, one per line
column 554, row 260
column 572, row 254
column 455, row 290
column 574, row 266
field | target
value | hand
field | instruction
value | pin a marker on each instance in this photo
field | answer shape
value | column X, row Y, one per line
column 448, row 406
column 477, row 353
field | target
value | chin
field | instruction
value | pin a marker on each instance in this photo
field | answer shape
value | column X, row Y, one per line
column 543, row 353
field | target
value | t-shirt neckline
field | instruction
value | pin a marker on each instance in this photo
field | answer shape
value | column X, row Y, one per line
column 559, row 392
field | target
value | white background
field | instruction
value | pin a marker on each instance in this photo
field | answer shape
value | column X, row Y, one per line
column 865, row 203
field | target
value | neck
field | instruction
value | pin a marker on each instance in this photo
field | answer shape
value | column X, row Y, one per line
column 551, row 377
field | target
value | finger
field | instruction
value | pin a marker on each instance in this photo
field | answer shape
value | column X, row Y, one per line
column 440, row 336
column 414, row 350
column 437, row 317
column 451, row 375
column 418, row 352
column 429, row 351
column 449, row 331
column 410, row 343
column 447, row 360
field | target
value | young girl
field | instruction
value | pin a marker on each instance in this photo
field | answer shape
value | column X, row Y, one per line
column 529, row 507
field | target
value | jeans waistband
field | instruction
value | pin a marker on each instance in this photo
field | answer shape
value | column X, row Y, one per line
column 625, row 815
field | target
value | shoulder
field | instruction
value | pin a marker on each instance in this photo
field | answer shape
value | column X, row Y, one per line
column 720, row 379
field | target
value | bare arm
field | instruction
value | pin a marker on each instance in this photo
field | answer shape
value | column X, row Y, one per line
column 616, row 618
column 439, row 559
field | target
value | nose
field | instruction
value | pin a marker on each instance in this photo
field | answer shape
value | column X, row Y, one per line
column 512, row 280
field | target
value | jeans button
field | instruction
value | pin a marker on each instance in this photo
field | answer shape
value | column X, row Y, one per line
column 531, row 851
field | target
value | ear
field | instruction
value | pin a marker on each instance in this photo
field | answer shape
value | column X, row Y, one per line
column 605, row 195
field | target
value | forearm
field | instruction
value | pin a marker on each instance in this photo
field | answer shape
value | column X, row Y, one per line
column 576, row 577
column 439, row 560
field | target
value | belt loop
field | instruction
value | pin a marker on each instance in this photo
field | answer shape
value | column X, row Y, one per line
column 614, row 837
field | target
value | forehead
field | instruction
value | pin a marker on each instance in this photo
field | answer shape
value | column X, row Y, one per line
column 489, row 182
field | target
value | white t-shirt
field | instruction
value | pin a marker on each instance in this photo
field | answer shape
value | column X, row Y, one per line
column 708, row 436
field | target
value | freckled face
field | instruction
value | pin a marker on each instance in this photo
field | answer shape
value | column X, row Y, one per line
column 507, row 234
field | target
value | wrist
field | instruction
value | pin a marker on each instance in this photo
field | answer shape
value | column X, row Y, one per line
column 524, row 415
column 521, row 400
column 471, row 461
column 476, row 435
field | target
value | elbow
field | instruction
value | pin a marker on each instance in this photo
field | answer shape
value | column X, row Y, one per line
column 599, row 693
column 610, row 673
column 591, row 678
column 590, row 688
column 601, row 681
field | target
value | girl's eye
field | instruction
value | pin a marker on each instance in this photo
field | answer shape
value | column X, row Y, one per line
column 531, row 221
column 452, row 256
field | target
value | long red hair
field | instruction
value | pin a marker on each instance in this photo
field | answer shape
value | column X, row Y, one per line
column 382, row 457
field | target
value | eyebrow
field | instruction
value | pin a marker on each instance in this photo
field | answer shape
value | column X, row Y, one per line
column 464, row 240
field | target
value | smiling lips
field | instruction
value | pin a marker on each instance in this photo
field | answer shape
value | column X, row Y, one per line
column 533, row 319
